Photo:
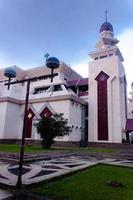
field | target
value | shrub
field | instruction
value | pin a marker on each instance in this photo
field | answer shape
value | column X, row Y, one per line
column 51, row 127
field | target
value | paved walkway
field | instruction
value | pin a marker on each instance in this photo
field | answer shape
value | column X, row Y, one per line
column 45, row 169
column 50, row 168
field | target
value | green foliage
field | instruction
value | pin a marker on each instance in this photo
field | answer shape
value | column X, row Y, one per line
column 14, row 148
column 90, row 184
column 51, row 127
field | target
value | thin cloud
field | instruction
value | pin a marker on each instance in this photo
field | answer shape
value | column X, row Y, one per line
column 82, row 68
column 126, row 47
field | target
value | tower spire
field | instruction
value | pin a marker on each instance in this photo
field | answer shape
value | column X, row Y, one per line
column 106, row 16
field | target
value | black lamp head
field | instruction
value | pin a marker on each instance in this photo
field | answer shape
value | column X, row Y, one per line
column 52, row 63
column 10, row 72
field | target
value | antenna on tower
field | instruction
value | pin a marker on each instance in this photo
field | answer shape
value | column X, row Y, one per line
column 106, row 15
column 46, row 55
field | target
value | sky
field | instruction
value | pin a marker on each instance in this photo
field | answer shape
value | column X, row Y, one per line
column 66, row 29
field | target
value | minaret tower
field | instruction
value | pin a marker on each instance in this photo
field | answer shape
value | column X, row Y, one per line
column 107, row 89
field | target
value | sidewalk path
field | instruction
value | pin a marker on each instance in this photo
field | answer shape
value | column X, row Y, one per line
column 46, row 169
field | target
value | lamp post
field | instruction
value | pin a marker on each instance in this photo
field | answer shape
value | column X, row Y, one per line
column 10, row 74
column 21, row 158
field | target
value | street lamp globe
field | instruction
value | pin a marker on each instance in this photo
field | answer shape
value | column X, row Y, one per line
column 52, row 62
column 10, row 72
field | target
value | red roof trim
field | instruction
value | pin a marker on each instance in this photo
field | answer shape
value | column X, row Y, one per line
column 78, row 82
column 129, row 125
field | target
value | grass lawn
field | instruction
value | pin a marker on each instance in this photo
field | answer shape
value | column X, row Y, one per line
column 91, row 184
column 14, row 148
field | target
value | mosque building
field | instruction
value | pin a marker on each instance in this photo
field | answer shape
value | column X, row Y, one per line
column 96, row 106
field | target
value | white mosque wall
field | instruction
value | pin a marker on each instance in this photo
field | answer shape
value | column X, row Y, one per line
column 12, row 121
column 3, row 108
column 130, row 108
column 16, row 91
column 55, row 106
column 71, row 111
column 75, row 121
column 115, row 113
column 110, row 66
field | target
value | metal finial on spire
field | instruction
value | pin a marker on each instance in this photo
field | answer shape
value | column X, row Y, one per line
column 106, row 16
column 46, row 55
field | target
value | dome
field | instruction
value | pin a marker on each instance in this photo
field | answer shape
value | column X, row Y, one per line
column 106, row 26
column 52, row 62
column 10, row 72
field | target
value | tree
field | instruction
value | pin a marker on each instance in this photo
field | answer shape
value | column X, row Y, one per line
column 51, row 127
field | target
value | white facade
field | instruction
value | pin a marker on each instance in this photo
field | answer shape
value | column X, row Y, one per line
column 69, row 94
column 107, row 61
column 43, row 95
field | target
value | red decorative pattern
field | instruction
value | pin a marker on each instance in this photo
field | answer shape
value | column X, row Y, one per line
column 30, row 116
column 46, row 112
column 102, row 106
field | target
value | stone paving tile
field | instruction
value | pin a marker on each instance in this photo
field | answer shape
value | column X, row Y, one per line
column 124, row 163
column 47, row 169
